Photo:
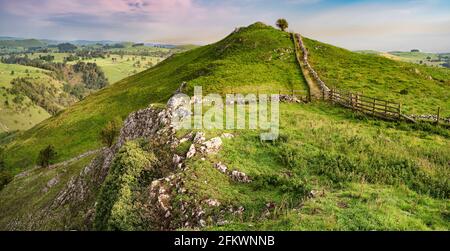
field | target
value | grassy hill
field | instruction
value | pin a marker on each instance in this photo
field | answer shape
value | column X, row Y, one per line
column 22, row 43
column 331, row 169
column 256, row 56
column 419, row 88
column 431, row 59
column 12, row 116
column 122, row 67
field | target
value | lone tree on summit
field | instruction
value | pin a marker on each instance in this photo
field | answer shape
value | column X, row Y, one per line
column 282, row 24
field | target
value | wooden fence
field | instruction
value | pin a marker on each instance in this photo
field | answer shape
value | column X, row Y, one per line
column 369, row 105
column 358, row 102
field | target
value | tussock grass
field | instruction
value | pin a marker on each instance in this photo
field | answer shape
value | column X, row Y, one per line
column 419, row 88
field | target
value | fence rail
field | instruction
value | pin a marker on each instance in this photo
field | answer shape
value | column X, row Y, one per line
column 369, row 105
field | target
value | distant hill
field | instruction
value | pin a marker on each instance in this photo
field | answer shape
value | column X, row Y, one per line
column 414, row 56
column 24, row 43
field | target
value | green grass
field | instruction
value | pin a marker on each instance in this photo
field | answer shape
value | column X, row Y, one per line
column 417, row 57
column 427, row 87
column 123, row 67
column 318, row 142
column 13, row 117
column 116, row 70
column 258, row 56
column 26, row 198
column 361, row 207
column 20, row 71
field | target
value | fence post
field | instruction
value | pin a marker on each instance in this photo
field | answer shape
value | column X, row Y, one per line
column 399, row 110
column 438, row 115
column 373, row 106
column 385, row 108
column 331, row 95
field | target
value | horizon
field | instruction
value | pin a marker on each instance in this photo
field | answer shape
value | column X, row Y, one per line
column 354, row 25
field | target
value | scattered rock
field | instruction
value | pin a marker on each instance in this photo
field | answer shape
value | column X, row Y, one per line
column 212, row 203
column 227, row 135
column 211, row 146
column 316, row 193
column 177, row 159
column 53, row 182
column 221, row 167
column 199, row 138
column 222, row 222
column 240, row 177
column 191, row 152
column 342, row 204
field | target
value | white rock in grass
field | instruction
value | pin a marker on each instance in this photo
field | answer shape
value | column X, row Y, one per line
column 212, row 146
column 191, row 152
column 227, row 136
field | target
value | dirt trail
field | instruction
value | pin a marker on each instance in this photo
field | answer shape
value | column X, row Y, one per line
column 64, row 163
column 315, row 89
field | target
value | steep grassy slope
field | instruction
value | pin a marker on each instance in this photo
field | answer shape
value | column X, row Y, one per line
column 14, row 116
column 29, row 196
column 421, row 89
column 365, row 174
column 257, row 56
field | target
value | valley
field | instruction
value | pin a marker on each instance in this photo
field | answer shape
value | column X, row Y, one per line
column 45, row 66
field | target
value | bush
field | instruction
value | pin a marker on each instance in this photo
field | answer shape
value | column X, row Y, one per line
column 282, row 24
column 289, row 156
column 110, row 132
column 5, row 178
column 117, row 207
column 46, row 156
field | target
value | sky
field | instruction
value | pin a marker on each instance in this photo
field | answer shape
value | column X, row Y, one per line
column 356, row 25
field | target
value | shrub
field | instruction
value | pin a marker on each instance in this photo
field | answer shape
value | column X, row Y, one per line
column 289, row 156
column 46, row 156
column 110, row 132
column 5, row 178
column 117, row 207
column 282, row 24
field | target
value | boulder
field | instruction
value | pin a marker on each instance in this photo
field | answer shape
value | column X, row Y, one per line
column 240, row 177
column 221, row 167
column 211, row 146
column 199, row 138
column 191, row 152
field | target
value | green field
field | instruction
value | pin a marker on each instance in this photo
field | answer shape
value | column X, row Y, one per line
column 419, row 88
column 331, row 169
column 12, row 117
column 425, row 58
column 20, row 71
column 430, row 59
column 123, row 66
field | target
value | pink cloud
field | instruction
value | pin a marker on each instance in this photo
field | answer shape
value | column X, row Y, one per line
column 165, row 9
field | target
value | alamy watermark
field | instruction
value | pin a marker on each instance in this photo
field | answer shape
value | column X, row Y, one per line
column 234, row 111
